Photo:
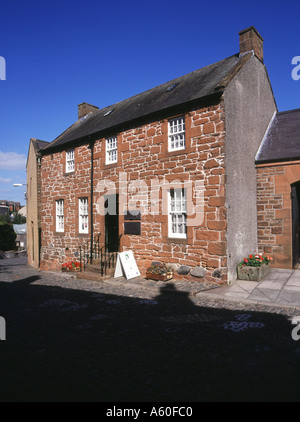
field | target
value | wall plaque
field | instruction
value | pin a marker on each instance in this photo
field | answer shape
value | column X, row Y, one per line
column 132, row 227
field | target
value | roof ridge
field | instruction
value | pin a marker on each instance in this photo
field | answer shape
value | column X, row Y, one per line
column 289, row 111
column 200, row 83
column 165, row 83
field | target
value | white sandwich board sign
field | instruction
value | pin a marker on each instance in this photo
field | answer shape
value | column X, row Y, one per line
column 126, row 265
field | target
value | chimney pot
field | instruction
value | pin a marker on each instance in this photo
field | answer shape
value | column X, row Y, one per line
column 251, row 40
column 85, row 108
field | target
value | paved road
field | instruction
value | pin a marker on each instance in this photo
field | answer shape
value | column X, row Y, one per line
column 71, row 340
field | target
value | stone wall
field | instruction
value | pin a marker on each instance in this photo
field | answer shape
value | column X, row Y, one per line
column 144, row 162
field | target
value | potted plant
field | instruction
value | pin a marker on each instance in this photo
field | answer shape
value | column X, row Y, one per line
column 255, row 267
column 159, row 272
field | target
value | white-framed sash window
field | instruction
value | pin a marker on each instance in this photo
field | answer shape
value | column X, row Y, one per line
column 60, row 215
column 83, row 215
column 70, row 161
column 177, row 213
column 111, row 150
column 176, row 134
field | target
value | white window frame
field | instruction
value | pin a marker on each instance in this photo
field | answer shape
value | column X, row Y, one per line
column 111, row 150
column 59, row 212
column 70, row 161
column 83, row 212
column 176, row 134
column 177, row 213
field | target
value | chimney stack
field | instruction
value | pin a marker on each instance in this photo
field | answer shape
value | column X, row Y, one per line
column 85, row 108
column 251, row 40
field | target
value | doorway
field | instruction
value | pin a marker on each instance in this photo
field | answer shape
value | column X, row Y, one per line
column 112, row 223
column 295, row 197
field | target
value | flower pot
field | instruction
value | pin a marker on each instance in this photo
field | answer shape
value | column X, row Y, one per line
column 159, row 277
column 246, row 272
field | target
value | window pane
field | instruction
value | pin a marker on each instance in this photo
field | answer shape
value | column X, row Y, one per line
column 111, row 150
column 177, row 212
column 70, row 164
column 83, row 215
column 60, row 215
column 177, row 133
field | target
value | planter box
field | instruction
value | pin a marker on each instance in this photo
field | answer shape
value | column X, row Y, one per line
column 72, row 270
column 253, row 273
column 159, row 277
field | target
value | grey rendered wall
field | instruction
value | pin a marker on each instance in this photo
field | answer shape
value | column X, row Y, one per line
column 249, row 107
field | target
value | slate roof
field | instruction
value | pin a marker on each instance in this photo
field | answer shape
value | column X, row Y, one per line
column 39, row 144
column 193, row 86
column 282, row 141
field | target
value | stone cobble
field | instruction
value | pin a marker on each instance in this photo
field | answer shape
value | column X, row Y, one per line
column 79, row 340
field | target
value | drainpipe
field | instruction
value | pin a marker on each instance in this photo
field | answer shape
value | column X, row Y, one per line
column 91, row 146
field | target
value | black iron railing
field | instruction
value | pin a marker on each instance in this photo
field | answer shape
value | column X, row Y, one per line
column 98, row 254
column 89, row 251
column 108, row 260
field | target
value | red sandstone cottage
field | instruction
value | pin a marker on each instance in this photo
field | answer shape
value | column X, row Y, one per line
column 169, row 174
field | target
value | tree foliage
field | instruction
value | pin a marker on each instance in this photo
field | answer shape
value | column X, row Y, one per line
column 7, row 237
column 5, row 219
column 18, row 218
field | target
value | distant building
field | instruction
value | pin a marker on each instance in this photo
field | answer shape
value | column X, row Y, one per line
column 4, row 210
column 12, row 206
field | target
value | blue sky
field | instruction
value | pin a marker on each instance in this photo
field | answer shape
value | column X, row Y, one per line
column 61, row 53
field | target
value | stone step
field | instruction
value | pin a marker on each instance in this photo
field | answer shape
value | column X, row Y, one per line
column 93, row 272
column 90, row 275
column 96, row 268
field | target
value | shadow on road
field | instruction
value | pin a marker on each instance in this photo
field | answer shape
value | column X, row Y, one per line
column 73, row 345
